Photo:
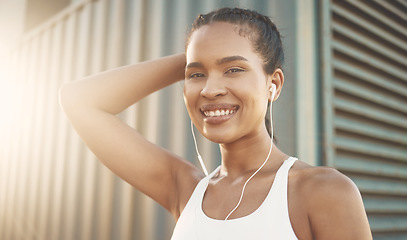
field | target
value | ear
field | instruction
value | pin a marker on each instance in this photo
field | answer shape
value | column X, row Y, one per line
column 277, row 78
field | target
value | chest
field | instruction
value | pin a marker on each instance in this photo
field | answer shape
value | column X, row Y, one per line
column 260, row 195
column 263, row 213
column 221, row 197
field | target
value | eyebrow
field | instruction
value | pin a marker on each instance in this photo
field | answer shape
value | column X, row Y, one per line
column 230, row 59
column 194, row 64
column 219, row 61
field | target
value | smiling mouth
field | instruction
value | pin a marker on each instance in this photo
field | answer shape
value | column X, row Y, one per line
column 219, row 112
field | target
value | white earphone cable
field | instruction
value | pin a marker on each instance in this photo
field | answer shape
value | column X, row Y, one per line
column 197, row 152
column 264, row 163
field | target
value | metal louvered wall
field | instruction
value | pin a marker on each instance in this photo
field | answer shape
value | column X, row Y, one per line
column 365, row 105
column 51, row 186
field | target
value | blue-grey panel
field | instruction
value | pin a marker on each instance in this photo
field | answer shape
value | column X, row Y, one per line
column 365, row 114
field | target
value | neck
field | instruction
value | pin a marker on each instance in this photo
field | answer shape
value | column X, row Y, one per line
column 247, row 154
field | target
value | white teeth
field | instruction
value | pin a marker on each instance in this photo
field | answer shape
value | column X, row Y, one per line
column 218, row 113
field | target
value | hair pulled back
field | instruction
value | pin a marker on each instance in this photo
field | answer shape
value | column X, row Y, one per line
column 259, row 29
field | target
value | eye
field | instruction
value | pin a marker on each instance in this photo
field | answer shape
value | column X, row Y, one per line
column 234, row 70
column 196, row 75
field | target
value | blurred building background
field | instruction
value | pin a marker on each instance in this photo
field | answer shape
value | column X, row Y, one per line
column 344, row 105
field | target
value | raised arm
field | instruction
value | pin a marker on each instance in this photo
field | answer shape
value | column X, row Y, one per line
column 91, row 105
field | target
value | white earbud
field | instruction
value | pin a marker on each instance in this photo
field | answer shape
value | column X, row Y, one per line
column 273, row 91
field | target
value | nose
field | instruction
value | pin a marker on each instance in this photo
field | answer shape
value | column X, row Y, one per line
column 214, row 87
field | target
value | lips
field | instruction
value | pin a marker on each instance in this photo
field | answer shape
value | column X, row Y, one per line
column 218, row 113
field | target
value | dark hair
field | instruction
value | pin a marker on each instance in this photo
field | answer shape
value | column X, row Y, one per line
column 259, row 29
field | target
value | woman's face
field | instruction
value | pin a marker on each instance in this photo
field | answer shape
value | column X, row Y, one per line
column 226, row 89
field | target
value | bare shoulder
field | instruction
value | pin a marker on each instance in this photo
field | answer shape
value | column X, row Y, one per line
column 332, row 202
column 322, row 180
column 323, row 187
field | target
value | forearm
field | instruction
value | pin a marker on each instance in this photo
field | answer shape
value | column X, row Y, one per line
column 115, row 90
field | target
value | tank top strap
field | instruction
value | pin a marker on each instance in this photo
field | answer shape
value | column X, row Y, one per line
column 281, row 178
column 278, row 192
column 197, row 194
column 214, row 172
column 288, row 163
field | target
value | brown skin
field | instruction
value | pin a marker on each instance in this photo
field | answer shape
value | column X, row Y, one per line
column 323, row 203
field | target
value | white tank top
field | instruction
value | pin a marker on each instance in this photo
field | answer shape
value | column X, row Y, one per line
column 269, row 221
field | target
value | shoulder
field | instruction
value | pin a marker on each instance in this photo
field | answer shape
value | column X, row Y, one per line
column 321, row 180
column 323, row 186
column 318, row 179
column 332, row 201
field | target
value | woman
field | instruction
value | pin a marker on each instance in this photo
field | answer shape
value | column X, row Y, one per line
column 232, row 71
